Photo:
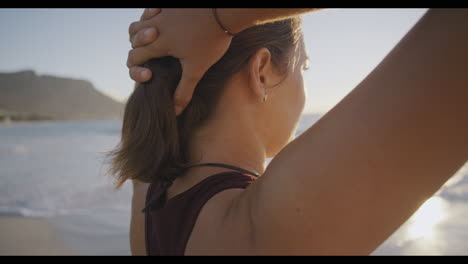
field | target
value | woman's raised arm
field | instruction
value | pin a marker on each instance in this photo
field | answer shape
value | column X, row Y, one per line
column 348, row 182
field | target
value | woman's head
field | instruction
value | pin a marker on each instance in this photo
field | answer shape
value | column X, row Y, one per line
column 265, row 59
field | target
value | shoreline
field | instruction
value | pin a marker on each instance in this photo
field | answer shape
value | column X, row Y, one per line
column 12, row 123
column 29, row 236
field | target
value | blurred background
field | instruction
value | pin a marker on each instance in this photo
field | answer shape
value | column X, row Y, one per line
column 63, row 85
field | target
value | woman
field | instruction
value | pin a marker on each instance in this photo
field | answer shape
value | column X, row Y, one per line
column 342, row 187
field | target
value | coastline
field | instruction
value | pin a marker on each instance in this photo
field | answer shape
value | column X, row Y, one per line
column 29, row 236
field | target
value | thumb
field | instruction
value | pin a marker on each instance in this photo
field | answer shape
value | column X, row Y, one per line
column 184, row 91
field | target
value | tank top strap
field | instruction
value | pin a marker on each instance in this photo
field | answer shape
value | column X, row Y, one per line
column 168, row 228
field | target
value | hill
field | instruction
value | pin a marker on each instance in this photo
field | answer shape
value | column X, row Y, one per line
column 28, row 96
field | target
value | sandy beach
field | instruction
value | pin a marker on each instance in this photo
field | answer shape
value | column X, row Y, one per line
column 26, row 236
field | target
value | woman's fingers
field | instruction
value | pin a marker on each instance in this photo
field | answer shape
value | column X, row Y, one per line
column 140, row 55
column 140, row 74
column 146, row 21
column 141, row 34
column 144, row 37
column 149, row 13
column 137, row 26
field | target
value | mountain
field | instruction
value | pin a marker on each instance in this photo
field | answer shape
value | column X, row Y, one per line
column 25, row 94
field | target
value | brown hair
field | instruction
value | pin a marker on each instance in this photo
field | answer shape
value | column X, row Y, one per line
column 155, row 142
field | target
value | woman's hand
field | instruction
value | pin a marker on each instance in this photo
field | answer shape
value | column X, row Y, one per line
column 191, row 34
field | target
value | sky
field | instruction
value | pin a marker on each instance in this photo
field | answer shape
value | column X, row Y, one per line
column 344, row 45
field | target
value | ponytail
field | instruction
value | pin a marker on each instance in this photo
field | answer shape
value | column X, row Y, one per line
column 150, row 147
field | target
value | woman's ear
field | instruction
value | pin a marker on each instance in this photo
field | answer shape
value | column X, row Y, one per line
column 260, row 73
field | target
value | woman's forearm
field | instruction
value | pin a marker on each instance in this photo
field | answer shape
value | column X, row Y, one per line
column 237, row 19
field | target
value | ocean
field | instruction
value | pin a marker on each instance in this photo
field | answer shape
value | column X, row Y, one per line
column 56, row 170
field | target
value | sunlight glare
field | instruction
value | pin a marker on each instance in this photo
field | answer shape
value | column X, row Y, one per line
column 426, row 218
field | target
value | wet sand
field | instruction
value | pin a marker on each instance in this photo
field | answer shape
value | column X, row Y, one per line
column 26, row 236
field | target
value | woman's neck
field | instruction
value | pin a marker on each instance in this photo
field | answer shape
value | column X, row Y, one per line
column 228, row 143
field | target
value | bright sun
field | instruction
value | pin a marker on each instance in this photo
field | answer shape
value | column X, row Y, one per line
column 425, row 219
